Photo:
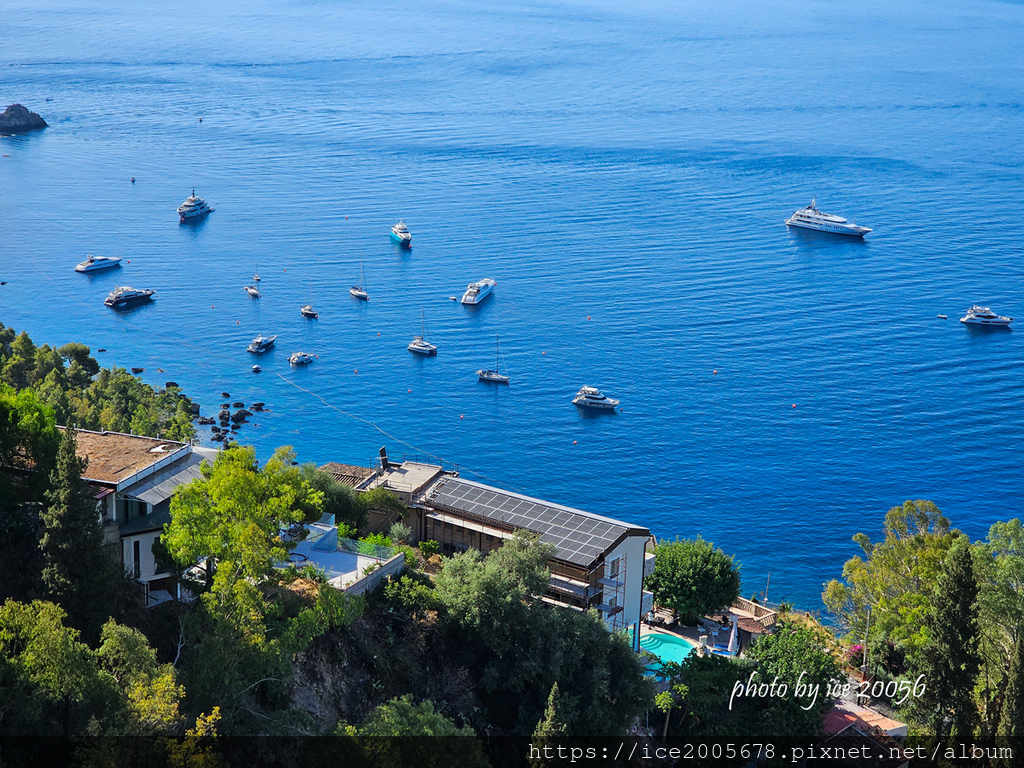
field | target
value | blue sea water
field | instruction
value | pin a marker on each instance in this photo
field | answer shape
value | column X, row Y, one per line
column 623, row 172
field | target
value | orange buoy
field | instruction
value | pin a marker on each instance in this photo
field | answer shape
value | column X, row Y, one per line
column 211, row 306
column 356, row 371
column 715, row 372
column 588, row 317
column 543, row 353
column 794, row 405
column 410, row 391
column 461, row 416
column 378, row 335
column 574, row 442
column 238, row 322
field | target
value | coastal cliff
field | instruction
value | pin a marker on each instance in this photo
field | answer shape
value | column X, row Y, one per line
column 17, row 119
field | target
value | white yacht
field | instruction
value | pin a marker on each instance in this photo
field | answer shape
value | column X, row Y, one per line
column 811, row 218
column 984, row 316
column 193, row 207
column 400, row 234
column 591, row 397
column 261, row 343
column 253, row 291
column 308, row 311
column 94, row 263
column 300, row 358
column 124, row 296
column 478, row 291
column 419, row 345
column 494, row 376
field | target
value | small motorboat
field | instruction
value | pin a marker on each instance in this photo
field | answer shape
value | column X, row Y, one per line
column 256, row 369
column 300, row 358
column 261, row 344
column 253, row 291
column 308, row 311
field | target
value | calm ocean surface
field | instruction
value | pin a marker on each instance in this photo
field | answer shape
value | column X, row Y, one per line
column 623, row 174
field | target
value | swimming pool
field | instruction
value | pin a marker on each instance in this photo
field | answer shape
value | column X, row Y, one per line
column 667, row 647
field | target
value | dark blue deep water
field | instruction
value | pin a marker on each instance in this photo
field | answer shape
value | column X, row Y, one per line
column 623, row 171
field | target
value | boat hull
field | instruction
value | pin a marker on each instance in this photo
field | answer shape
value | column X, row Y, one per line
column 1001, row 323
column 482, row 294
column 580, row 402
column 128, row 303
column 97, row 266
column 405, row 242
column 492, row 377
column 359, row 294
column 830, row 229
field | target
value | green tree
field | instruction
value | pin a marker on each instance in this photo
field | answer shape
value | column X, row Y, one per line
column 78, row 574
column 692, row 578
column 518, row 646
column 950, row 659
column 28, row 449
column 550, row 731
column 398, row 734
column 1012, row 726
column 799, row 655
column 236, row 513
column 50, row 683
column 894, row 578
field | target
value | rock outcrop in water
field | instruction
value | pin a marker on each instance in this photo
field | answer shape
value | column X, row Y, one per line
column 17, row 119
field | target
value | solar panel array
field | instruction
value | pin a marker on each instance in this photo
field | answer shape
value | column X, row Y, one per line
column 578, row 538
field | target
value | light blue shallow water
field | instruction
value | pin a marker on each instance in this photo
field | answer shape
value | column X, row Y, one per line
column 623, row 175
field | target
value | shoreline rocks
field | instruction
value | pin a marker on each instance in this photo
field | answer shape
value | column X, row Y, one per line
column 18, row 119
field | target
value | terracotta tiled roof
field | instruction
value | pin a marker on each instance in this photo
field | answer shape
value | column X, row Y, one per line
column 348, row 474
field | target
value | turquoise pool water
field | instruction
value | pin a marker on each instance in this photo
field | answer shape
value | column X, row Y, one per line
column 667, row 647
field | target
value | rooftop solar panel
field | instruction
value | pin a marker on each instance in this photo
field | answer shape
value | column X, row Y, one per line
column 577, row 536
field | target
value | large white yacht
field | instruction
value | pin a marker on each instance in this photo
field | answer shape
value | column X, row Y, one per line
column 300, row 358
column 123, row 296
column 591, row 397
column 478, row 291
column 811, row 218
column 984, row 316
column 193, row 207
column 401, row 235
column 94, row 263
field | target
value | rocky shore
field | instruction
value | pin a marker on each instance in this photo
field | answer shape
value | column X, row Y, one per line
column 17, row 119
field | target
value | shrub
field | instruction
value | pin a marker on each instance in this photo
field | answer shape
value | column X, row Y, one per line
column 429, row 547
column 400, row 533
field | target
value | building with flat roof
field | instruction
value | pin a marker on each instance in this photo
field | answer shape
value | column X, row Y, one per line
column 133, row 479
column 598, row 562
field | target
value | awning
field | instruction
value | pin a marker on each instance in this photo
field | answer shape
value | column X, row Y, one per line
column 160, row 487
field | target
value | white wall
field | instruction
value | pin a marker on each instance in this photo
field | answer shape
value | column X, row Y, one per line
column 633, row 549
column 147, row 562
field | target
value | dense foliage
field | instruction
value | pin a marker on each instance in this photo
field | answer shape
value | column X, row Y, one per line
column 693, row 578
column 71, row 383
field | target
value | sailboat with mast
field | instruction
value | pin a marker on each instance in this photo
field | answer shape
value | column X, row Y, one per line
column 256, row 274
column 359, row 291
column 419, row 345
column 494, row 376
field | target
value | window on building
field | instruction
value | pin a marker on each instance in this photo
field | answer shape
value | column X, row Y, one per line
column 613, row 567
column 136, row 559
